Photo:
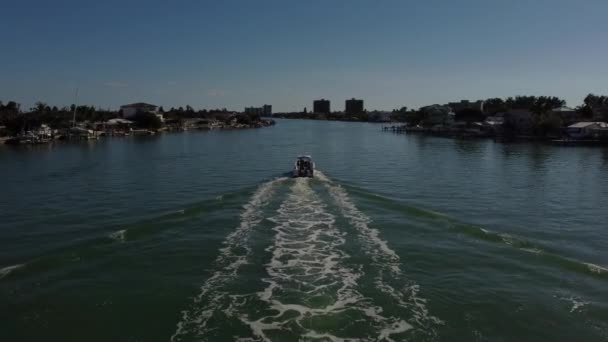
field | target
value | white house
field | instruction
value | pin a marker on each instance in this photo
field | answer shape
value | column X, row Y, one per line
column 128, row 111
column 584, row 129
column 44, row 131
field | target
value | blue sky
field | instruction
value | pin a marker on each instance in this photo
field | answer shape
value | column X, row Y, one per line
column 227, row 53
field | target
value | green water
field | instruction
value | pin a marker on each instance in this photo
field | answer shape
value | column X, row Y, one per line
column 198, row 236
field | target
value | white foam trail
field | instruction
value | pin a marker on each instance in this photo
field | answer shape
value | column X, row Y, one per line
column 397, row 328
column 385, row 260
column 532, row 250
column 596, row 268
column 119, row 235
column 309, row 280
column 576, row 302
column 232, row 256
column 180, row 211
column 377, row 247
column 321, row 176
column 9, row 269
column 507, row 239
column 325, row 337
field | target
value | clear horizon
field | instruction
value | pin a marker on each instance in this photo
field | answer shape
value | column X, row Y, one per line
column 237, row 54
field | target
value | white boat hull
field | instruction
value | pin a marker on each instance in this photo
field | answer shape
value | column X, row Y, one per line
column 304, row 167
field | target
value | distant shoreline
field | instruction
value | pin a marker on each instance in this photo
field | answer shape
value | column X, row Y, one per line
column 78, row 133
column 471, row 135
column 345, row 119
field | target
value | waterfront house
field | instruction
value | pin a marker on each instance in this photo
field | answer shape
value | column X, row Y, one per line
column 437, row 115
column 44, row 132
column 130, row 110
column 585, row 130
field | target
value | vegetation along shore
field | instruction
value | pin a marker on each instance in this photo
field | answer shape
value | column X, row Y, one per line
column 43, row 123
column 520, row 118
column 538, row 118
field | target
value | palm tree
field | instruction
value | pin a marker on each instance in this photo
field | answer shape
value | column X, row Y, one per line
column 39, row 107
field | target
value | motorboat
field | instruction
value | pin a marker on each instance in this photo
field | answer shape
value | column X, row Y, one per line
column 304, row 167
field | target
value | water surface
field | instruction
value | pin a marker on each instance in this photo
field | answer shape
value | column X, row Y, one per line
column 199, row 236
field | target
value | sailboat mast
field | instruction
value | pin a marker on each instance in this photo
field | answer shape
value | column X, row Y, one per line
column 75, row 106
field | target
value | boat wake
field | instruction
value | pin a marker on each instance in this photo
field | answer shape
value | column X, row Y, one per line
column 232, row 256
column 388, row 275
column 540, row 252
column 317, row 286
column 473, row 231
column 9, row 269
column 312, row 292
column 119, row 235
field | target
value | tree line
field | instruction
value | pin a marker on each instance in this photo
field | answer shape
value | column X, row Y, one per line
column 542, row 122
column 16, row 120
column 492, row 106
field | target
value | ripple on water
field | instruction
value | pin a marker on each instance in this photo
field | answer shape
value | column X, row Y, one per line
column 4, row 272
